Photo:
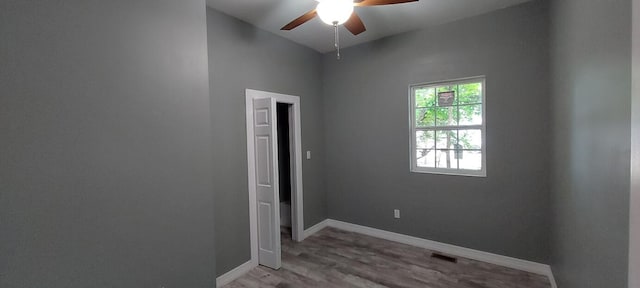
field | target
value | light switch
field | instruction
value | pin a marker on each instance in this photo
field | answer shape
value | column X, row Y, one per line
column 308, row 155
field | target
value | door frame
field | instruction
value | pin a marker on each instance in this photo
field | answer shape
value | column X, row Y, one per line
column 297, row 213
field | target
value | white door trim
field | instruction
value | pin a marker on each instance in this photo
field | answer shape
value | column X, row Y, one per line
column 297, row 215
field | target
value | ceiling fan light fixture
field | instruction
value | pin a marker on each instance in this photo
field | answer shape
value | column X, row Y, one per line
column 335, row 12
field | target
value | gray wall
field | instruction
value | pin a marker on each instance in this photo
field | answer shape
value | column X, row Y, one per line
column 240, row 57
column 634, row 239
column 105, row 163
column 590, row 185
column 367, row 134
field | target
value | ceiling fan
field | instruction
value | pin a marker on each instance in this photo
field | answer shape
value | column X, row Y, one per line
column 339, row 12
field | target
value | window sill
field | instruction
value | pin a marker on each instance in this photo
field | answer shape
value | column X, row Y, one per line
column 464, row 173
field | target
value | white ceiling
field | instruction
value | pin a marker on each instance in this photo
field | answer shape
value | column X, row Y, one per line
column 381, row 21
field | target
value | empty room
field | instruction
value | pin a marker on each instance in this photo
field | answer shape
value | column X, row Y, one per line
column 320, row 143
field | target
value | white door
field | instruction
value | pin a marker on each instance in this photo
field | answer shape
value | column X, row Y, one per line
column 266, row 153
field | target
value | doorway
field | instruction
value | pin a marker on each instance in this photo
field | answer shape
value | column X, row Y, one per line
column 285, row 176
column 274, row 157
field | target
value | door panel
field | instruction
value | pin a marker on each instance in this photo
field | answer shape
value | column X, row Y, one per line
column 266, row 154
column 266, row 229
column 263, row 154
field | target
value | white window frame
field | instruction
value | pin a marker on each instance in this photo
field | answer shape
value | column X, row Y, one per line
column 413, row 129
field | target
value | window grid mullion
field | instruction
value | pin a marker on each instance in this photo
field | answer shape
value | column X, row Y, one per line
column 459, row 104
column 463, row 127
column 455, row 151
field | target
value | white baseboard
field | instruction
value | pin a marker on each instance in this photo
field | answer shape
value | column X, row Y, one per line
column 549, row 274
column 519, row 264
column 315, row 228
column 236, row 273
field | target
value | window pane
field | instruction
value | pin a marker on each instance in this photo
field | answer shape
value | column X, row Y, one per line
column 470, row 93
column 446, row 159
column 425, row 139
column 446, row 139
column 470, row 114
column 470, row 160
column 425, row 97
column 447, row 116
column 425, row 158
column 449, row 88
column 470, row 139
column 425, row 117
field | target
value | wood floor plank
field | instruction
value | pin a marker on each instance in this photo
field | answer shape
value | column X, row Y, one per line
column 337, row 258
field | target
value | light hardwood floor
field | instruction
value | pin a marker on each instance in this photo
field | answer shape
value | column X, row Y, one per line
column 336, row 258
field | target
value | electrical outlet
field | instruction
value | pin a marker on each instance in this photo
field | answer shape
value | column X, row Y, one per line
column 396, row 213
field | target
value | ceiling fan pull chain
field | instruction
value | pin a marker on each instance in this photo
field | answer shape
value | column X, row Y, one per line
column 337, row 40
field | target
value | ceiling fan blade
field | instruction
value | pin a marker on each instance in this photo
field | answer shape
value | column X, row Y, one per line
column 354, row 24
column 300, row 20
column 381, row 2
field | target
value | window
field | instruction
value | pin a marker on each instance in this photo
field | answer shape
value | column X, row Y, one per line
column 448, row 127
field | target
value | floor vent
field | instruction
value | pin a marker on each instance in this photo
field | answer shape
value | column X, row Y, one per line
column 444, row 257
